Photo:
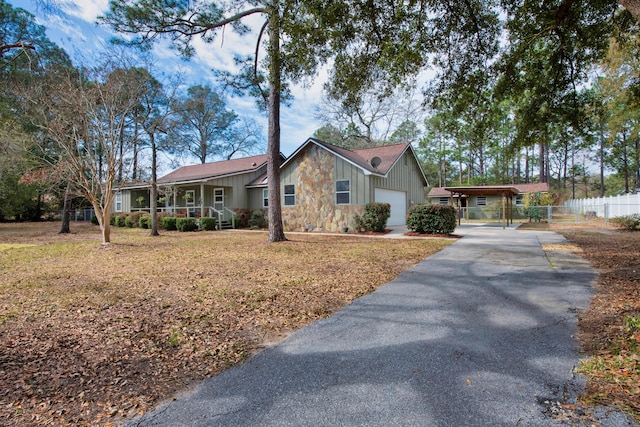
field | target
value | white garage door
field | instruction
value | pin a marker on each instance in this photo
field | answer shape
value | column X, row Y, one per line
column 398, row 202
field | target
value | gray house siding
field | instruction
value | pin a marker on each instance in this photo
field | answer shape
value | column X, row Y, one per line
column 359, row 182
column 404, row 176
column 254, row 196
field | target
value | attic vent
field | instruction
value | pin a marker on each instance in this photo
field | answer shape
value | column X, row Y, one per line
column 375, row 161
column 253, row 164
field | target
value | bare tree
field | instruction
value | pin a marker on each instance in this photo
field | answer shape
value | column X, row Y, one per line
column 83, row 114
column 374, row 119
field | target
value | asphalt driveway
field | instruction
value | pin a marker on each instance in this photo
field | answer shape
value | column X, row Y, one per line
column 479, row 334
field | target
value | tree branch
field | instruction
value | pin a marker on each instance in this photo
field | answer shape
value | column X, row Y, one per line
column 7, row 47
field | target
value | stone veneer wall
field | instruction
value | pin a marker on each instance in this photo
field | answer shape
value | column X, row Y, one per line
column 315, row 207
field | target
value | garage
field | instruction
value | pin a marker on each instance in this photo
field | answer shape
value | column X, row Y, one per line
column 398, row 202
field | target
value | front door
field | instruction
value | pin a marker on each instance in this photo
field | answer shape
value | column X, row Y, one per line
column 218, row 199
column 190, row 202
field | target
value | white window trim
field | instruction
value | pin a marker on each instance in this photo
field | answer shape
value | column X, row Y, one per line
column 343, row 192
column 484, row 200
column 284, row 190
column 265, row 198
column 118, row 202
column 445, row 200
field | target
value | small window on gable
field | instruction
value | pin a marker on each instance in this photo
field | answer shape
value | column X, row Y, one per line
column 444, row 200
column 481, row 201
column 265, row 198
column 118, row 202
column 289, row 195
column 519, row 200
column 343, row 192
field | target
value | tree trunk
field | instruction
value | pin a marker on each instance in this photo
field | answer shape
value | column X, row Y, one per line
column 601, row 161
column 636, row 155
column 625, row 162
column 66, row 211
column 276, row 229
column 153, row 197
column 543, row 166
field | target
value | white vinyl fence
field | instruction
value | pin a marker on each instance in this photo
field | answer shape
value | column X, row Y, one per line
column 606, row 207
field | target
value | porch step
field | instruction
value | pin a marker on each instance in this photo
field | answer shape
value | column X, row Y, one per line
column 226, row 225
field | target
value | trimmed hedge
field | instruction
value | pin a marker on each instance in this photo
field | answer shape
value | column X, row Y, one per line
column 169, row 223
column 432, row 219
column 374, row 217
column 120, row 220
column 186, row 224
column 144, row 222
column 208, row 223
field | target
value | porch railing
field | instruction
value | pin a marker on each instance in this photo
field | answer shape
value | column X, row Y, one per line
column 220, row 214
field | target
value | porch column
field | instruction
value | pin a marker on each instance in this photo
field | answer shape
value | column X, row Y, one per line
column 504, row 210
column 175, row 201
column 201, row 200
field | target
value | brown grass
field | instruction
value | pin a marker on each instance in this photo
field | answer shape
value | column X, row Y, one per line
column 609, row 330
column 92, row 334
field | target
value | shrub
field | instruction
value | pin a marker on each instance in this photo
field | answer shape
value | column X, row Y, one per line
column 112, row 220
column 94, row 220
column 208, row 223
column 242, row 217
column 374, row 217
column 169, row 223
column 120, row 220
column 144, row 222
column 186, row 224
column 128, row 222
column 135, row 217
column 628, row 222
column 257, row 219
column 432, row 219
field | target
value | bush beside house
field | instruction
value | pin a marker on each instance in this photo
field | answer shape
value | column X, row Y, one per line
column 432, row 219
column 186, row 224
column 374, row 218
column 208, row 223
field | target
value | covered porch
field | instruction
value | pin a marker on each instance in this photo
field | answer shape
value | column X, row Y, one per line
column 194, row 200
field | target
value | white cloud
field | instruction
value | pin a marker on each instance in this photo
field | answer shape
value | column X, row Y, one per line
column 87, row 10
column 77, row 33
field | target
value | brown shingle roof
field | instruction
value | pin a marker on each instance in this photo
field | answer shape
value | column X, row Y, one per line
column 388, row 155
column 207, row 171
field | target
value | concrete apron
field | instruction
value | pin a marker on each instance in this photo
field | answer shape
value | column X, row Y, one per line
column 479, row 334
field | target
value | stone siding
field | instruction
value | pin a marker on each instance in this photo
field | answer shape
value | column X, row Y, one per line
column 315, row 208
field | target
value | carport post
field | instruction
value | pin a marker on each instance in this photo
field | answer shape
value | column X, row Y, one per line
column 504, row 210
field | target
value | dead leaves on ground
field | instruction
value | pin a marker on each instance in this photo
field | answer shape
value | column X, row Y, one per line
column 613, row 369
column 93, row 336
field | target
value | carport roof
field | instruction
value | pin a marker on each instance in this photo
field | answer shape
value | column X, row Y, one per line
column 485, row 190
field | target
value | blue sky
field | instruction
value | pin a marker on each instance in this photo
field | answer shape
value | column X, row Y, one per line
column 75, row 30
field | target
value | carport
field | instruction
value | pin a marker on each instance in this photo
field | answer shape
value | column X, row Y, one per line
column 506, row 192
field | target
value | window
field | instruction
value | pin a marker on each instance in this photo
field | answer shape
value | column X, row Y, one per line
column 343, row 192
column 519, row 200
column 444, row 200
column 118, row 202
column 481, row 201
column 289, row 195
column 265, row 198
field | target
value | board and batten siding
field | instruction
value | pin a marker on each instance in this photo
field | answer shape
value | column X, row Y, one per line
column 360, row 187
column 404, row 176
column 254, row 197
